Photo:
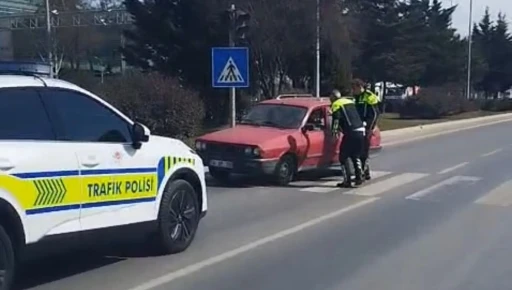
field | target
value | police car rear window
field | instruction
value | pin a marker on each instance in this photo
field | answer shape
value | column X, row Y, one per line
column 23, row 116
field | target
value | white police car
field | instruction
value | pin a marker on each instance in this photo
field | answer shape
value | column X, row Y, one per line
column 71, row 165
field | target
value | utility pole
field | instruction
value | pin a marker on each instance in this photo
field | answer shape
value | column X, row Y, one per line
column 470, row 44
column 232, row 90
column 49, row 37
column 317, row 78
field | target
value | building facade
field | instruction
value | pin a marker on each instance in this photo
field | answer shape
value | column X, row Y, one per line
column 19, row 6
column 9, row 7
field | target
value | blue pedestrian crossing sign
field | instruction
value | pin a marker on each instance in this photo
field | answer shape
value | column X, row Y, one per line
column 230, row 67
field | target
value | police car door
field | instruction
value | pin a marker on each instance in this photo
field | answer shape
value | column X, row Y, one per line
column 39, row 176
column 118, row 181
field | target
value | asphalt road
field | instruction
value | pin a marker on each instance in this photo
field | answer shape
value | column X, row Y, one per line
column 436, row 216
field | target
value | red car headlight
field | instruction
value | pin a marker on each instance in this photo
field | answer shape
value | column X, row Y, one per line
column 252, row 151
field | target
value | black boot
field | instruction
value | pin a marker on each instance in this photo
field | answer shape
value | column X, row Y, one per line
column 346, row 177
column 367, row 175
column 358, row 171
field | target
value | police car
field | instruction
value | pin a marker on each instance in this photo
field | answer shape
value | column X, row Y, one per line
column 71, row 165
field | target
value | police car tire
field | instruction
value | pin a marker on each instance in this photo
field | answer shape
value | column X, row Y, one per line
column 7, row 251
column 168, row 245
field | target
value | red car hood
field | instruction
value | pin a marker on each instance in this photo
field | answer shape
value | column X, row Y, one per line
column 246, row 135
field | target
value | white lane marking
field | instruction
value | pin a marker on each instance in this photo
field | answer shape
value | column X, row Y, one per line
column 499, row 196
column 450, row 181
column 331, row 185
column 243, row 249
column 378, row 174
column 324, row 188
column 453, row 168
column 387, row 184
column 491, row 153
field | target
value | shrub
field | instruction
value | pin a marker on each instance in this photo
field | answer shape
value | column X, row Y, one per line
column 436, row 102
column 159, row 102
column 499, row 105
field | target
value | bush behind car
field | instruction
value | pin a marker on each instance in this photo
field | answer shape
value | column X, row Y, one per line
column 447, row 100
column 159, row 102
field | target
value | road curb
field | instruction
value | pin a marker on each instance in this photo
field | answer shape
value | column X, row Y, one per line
column 415, row 133
column 440, row 125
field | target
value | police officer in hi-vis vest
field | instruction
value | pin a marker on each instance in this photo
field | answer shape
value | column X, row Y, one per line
column 367, row 106
column 346, row 120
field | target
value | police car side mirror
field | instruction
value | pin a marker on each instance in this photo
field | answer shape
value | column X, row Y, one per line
column 140, row 134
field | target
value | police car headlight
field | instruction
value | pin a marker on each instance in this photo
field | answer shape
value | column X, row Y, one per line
column 257, row 151
column 248, row 151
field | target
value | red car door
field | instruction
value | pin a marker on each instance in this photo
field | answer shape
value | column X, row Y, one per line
column 318, row 148
column 334, row 143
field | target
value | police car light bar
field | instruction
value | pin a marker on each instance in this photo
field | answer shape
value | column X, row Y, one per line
column 25, row 68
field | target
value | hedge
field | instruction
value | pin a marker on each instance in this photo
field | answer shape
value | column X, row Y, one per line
column 157, row 101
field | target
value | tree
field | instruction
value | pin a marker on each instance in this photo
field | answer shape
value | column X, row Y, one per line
column 444, row 62
column 172, row 37
column 378, row 22
column 493, row 42
column 428, row 51
column 412, row 47
column 500, row 61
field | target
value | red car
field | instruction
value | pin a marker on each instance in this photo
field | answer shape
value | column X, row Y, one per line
column 278, row 137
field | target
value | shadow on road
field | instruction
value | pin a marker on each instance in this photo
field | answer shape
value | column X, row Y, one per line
column 243, row 181
column 64, row 265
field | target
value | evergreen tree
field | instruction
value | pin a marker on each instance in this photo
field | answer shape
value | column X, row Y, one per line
column 410, row 46
column 378, row 21
column 171, row 36
column 430, row 53
column 500, row 60
column 492, row 41
column 444, row 62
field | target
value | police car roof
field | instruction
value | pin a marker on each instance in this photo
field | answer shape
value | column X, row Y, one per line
column 12, row 81
column 299, row 102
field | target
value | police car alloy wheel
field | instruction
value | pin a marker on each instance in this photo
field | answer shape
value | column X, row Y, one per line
column 6, row 260
column 178, row 217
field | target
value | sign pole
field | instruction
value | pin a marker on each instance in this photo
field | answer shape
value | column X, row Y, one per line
column 232, row 90
column 230, row 65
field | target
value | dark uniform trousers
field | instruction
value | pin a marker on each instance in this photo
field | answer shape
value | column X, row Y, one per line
column 351, row 147
column 365, row 152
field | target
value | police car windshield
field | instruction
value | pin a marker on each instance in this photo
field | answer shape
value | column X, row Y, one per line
column 273, row 115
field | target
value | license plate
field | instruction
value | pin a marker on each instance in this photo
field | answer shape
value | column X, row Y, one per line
column 221, row 163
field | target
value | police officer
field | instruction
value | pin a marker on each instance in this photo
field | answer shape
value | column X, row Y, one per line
column 346, row 119
column 367, row 106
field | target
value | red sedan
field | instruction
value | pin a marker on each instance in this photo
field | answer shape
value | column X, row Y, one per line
column 278, row 137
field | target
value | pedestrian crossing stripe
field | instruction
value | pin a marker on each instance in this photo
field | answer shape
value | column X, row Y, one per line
column 230, row 73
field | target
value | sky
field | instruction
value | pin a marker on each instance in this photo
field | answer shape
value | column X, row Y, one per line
column 461, row 14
